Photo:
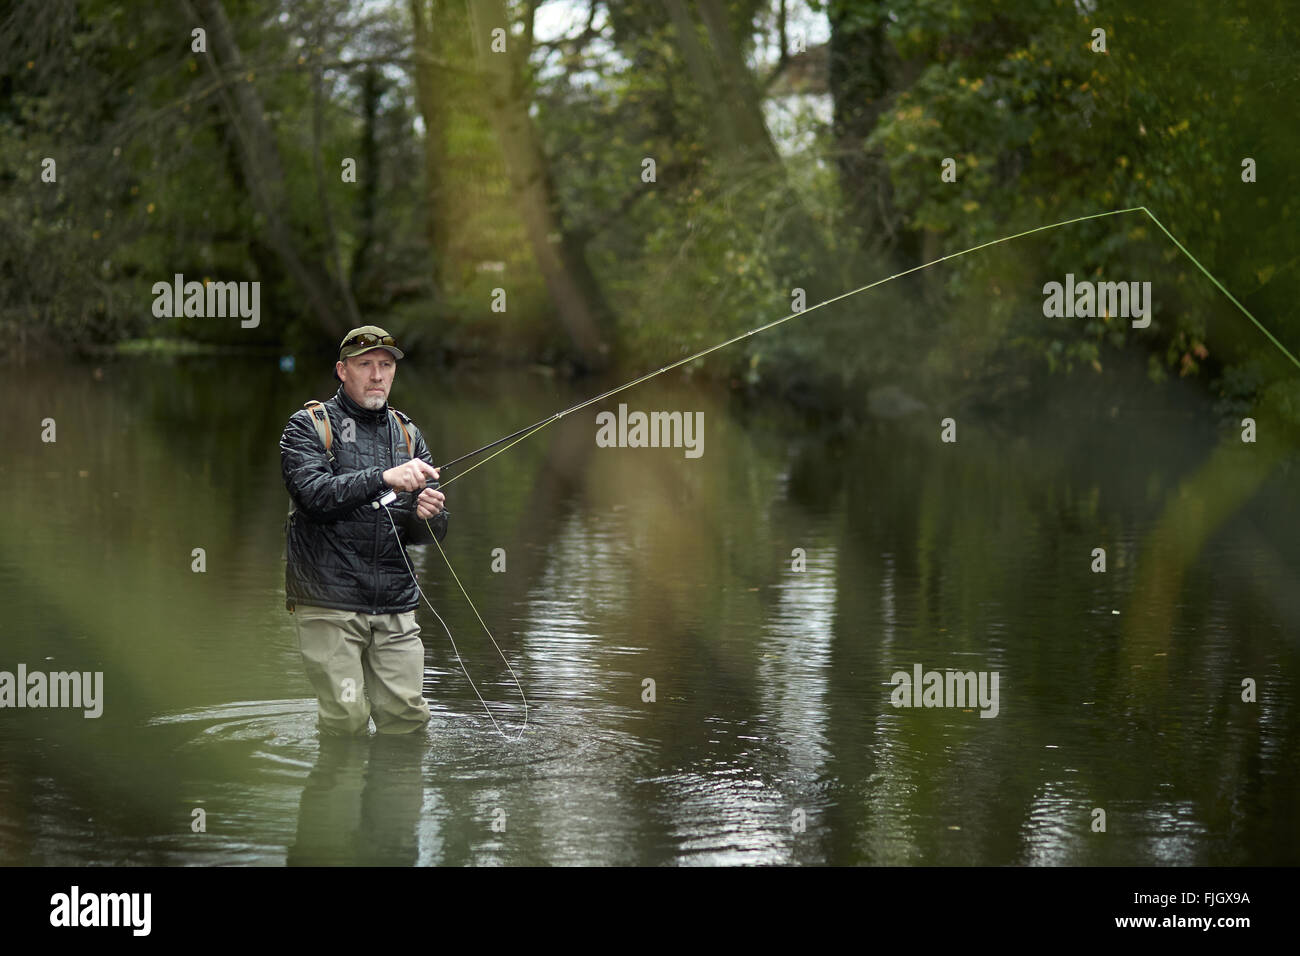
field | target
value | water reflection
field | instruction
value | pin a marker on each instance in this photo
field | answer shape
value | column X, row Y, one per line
column 361, row 804
column 769, row 737
column 795, row 660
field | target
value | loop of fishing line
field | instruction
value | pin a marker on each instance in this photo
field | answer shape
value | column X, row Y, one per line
column 455, row 649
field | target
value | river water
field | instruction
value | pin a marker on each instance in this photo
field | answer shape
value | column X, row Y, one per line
column 708, row 645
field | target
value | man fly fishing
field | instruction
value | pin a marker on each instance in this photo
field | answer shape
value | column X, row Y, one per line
column 347, row 580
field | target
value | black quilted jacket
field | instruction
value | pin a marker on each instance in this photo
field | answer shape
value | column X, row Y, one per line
column 340, row 552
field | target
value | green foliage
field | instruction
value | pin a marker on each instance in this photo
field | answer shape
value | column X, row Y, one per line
column 1044, row 129
column 1040, row 126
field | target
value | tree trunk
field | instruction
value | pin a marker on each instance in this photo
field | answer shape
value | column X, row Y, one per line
column 429, row 16
column 322, row 194
column 260, row 159
column 741, row 138
column 572, row 286
column 724, row 134
column 371, row 90
column 739, row 94
column 863, row 74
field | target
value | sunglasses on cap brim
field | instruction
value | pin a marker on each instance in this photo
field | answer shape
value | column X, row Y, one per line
column 369, row 339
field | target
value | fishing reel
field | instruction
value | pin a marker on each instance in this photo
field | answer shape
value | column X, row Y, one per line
column 389, row 496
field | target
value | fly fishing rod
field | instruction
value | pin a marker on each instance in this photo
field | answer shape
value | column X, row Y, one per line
column 523, row 433
column 515, row 437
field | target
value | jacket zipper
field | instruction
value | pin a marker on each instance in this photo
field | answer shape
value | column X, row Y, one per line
column 374, row 560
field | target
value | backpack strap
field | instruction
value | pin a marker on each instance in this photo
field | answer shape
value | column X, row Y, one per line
column 401, row 419
column 320, row 418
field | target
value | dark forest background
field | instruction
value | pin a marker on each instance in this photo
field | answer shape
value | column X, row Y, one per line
column 796, row 145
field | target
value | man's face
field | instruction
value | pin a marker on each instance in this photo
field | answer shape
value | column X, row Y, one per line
column 368, row 377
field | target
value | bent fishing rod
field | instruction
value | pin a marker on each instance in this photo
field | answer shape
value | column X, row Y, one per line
column 523, row 433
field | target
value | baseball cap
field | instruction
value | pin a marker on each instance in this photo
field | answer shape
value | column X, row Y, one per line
column 366, row 338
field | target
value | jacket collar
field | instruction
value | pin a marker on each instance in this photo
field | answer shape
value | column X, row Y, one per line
column 358, row 412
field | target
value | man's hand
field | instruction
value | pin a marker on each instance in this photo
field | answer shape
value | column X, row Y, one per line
column 413, row 475
column 429, row 503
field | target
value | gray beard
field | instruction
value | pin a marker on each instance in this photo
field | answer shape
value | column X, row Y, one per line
column 373, row 402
